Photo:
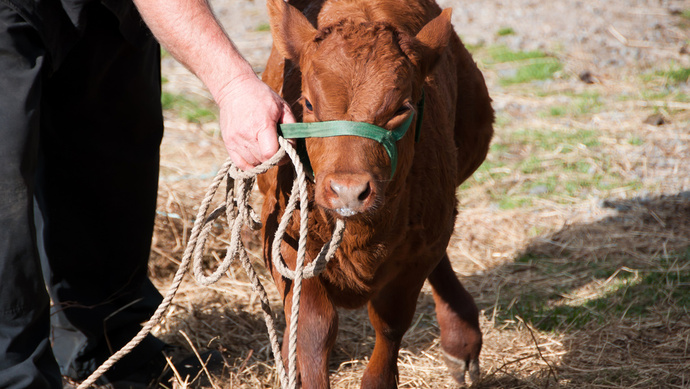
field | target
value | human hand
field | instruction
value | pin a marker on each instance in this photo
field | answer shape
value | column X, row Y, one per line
column 249, row 110
column 249, row 116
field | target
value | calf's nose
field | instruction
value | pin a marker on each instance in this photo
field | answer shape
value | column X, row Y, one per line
column 350, row 195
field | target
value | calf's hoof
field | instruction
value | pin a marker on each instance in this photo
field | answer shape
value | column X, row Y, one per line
column 458, row 367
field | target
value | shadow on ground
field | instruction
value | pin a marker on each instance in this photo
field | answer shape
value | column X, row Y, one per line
column 615, row 294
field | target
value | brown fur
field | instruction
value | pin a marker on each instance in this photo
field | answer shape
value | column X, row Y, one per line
column 364, row 60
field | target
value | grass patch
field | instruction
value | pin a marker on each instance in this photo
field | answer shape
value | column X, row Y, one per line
column 555, row 111
column 581, row 104
column 635, row 140
column 505, row 31
column 528, row 66
column 559, row 166
column 675, row 76
column 587, row 103
column 191, row 110
column 567, row 184
column 601, row 293
column 665, row 94
column 538, row 71
column 670, row 77
column 262, row 27
column 502, row 54
column 507, row 203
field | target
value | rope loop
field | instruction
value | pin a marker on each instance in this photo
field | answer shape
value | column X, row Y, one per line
column 238, row 214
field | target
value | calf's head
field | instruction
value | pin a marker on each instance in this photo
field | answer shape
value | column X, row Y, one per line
column 358, row 71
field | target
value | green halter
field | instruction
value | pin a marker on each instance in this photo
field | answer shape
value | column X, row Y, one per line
column 327, row 129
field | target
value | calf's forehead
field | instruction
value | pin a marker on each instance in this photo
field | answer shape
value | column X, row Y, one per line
column 358, row 71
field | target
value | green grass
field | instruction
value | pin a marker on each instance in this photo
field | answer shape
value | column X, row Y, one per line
column 559, row 183
column 502, row 54
column 663, row 94
column 581, row 104
column 507, row 203
column 675, row 76
column 504, row 31
column 555, row 111
column 530, row 66
column 635, row 140
column 672, row 76
column 588, row 102
column 190, row 110
column 610, row 291
column 263, row 27
column 559, row 166
column 538, row 71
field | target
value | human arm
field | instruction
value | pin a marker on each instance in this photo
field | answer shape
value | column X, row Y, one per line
column 249, row 109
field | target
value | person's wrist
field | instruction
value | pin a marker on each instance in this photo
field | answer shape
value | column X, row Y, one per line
column 234, row 86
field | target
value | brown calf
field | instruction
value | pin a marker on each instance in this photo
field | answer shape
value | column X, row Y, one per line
column 368, row 61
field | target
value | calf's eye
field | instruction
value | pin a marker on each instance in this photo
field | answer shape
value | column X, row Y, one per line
column 308, row 105
column 405, row 108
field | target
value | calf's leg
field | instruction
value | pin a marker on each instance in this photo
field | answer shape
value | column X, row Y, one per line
column 317, row 328
column 390, row 312
column 458, row 317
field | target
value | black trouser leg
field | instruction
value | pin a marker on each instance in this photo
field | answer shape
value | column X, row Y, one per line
column 101, row 127
column 26, row 360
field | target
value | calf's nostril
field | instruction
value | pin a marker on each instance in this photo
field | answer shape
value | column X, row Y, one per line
column 365, row 193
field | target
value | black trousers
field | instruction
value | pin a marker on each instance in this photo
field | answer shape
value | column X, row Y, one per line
column 81, row 138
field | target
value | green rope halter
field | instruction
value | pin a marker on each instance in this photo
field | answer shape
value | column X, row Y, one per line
column 327, row 129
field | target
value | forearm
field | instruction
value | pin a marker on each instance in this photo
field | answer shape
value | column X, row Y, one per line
column 190, row 32
column 249, row 109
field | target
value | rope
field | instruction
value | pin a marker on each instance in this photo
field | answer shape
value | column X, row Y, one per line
column 238, row 214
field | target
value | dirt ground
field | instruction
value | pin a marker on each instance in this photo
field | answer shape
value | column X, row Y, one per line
column 511, row 259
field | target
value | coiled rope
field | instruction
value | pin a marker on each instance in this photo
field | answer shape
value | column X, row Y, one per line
column 238, row 214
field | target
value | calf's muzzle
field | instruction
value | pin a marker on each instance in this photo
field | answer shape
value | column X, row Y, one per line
column 348, row 194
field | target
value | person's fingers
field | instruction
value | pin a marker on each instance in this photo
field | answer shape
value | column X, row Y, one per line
column 242, row 158
column 287, row 116
column 267, row 140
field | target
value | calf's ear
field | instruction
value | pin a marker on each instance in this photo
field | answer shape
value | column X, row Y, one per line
column 434, row 38
column 291, row 30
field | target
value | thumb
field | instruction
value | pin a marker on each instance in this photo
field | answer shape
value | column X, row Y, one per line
column 268, row 143
column 287, row 116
